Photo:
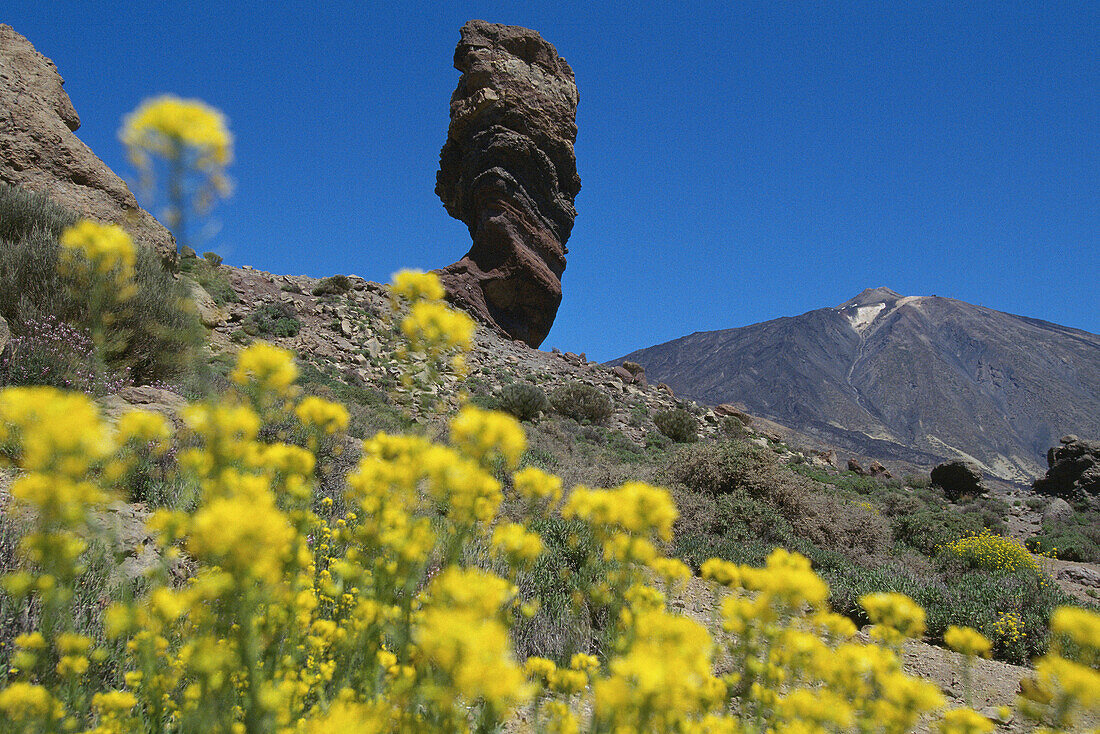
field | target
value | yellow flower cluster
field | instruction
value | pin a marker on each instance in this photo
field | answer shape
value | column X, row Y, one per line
column 436, row 335
column 993, row 552
column 385, row 617
column 104, row 248
column 967, row 641
column 166, row 125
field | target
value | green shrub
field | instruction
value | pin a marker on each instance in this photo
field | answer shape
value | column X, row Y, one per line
column 565, row 622
column 722, row 468
column 732, row 427
column 1075, row 539
column 928, row 528
column 334, row 285
column 273, row 319
column 1011, row 608
column 582, row 403
column 677, row 424
column 159, row 333
column 523, row 400
column 213, row 280
column 213, row 259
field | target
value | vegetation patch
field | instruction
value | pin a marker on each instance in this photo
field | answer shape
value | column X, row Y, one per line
column 583, row 403
column 154, row 334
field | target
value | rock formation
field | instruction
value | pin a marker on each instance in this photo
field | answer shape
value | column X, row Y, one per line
column 958, row 479
column 38, row 150
column 508, row 171
column 1074, row 469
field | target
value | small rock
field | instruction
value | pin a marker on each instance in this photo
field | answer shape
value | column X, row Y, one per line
column 998, row 714
column 346, row 328
column 855, row 466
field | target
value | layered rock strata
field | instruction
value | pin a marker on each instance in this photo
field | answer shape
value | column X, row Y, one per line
column 509, row 172
column 39, row 152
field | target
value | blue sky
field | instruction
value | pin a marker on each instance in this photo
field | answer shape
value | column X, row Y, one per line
column 740, row 161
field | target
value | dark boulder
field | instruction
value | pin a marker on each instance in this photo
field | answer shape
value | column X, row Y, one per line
column 1074, row 470
column 958, row 479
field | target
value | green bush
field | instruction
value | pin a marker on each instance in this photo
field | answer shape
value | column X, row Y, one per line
column 1076, row 539
column 213, row 280
column 523, row 400
column 582, row 403
column 677, row 424
column 159, row 333
column 213, row 259
column 273, row 319
column 722, row 468
column 928, row 528
column 565, row 623
column 1011, row 608
column 334, row 285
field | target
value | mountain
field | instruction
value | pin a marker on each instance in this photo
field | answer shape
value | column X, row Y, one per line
column 915, row 378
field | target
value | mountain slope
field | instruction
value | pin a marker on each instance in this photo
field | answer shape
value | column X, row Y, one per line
column 912, row 378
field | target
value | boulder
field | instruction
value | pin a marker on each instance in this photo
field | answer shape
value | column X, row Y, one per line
column 958, row 479
column 210, row 314
column 39, row 152
column 509, row 172
column 623, row 374
column 855, row 466
column 1057, row 511
column 1081, row 575
column 5, row 336
column 1074, row 469
column 876, row 469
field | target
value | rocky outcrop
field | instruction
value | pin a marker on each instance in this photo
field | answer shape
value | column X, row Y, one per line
column 39, row 152
column 1074, row 469
column 508, row 171
column 958, row 479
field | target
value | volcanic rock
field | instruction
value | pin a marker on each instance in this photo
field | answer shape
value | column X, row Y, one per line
column 1074, row 469
column 876, row 469
column 508, row 171
column 958, row 479
column 39, row 152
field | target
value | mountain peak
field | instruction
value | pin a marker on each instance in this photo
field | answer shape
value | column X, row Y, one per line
column 871, row 296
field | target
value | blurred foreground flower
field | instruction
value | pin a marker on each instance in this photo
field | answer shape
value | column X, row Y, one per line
column 193, row 139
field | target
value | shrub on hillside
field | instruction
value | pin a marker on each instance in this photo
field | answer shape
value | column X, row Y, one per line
column 1074, row 539
column 213, row 280
column 156, row 331
column 678, row 424
column 51, row 352
column 334, row 285
column 212, row 259
column 582, row 403
column 523, row 400
column 927, row 528
column 273, row 319
column 721, row 468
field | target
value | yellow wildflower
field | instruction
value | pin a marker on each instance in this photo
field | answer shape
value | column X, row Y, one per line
column 106, row 247
column 265, row 366
column 415, row 285
column 967, row 641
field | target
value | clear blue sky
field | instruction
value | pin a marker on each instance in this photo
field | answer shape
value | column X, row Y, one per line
column 739, row 161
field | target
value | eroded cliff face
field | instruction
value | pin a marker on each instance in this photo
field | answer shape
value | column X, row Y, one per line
column 39, row 152
column 509, row 172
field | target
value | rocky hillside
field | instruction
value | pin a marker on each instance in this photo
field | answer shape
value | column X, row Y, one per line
column 908, row 378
